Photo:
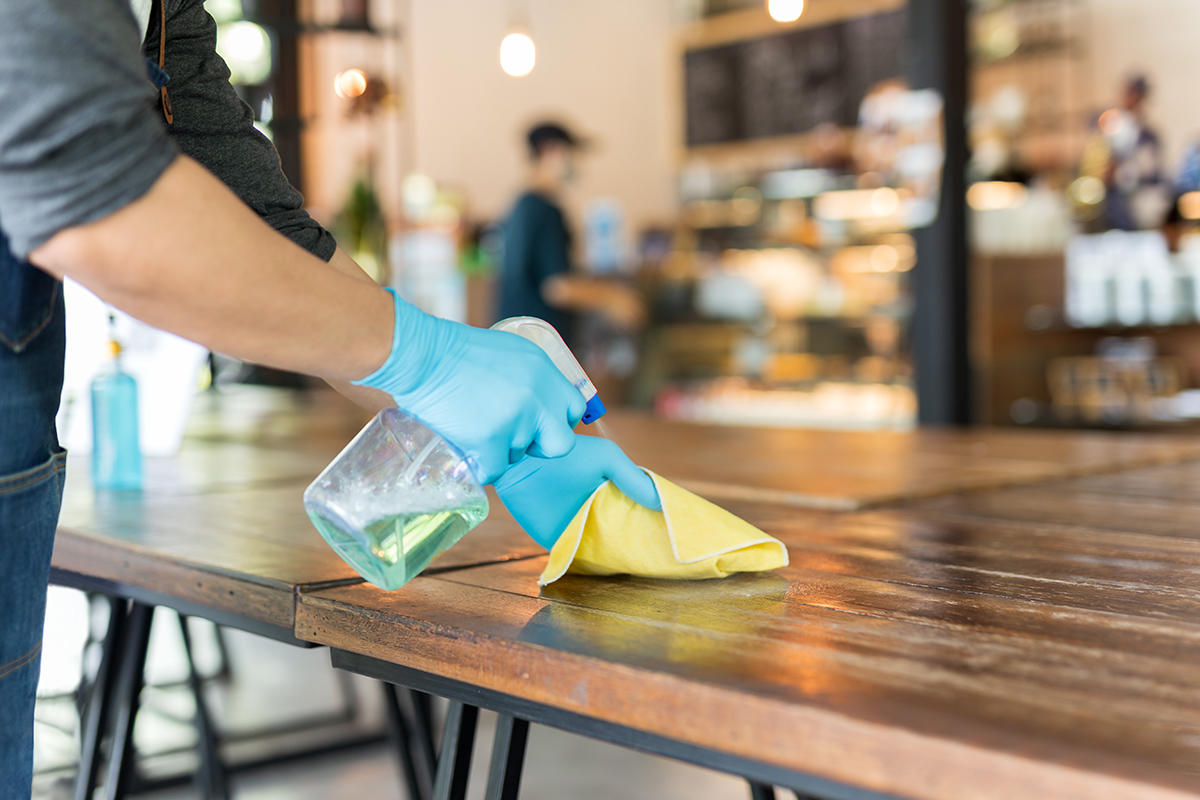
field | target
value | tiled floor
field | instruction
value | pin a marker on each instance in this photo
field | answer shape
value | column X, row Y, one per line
column 275, row 683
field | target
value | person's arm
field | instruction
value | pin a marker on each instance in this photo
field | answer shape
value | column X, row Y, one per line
column 370, row 399
column 216, row 128
column 561, row 289
column 92, row 187
column 618, row 302
column 190, row 257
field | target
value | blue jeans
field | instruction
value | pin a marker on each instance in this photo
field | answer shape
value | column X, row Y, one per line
column 32, row 341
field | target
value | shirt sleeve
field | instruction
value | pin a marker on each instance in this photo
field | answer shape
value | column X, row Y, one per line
column 79, row 138
column 213, row 126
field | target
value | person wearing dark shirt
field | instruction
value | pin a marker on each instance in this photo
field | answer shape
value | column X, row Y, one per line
column 535, row 276
column 537, row 244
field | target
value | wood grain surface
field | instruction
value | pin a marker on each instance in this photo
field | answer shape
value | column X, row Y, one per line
column 1088, row 508
column 208, row 467
column 850, row 470
column 244, row 551
column 241, row 551
column 921, row 655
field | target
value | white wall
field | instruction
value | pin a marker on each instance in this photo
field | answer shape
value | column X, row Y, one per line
column 603, row 67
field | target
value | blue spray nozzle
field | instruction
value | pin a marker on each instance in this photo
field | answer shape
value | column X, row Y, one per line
column 594, row 411
column 544, row 335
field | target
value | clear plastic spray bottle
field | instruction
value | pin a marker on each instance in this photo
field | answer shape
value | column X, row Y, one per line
column 398, row 495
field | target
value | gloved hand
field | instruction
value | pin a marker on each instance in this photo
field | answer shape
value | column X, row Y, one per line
column 493, row 395
column 543, row 494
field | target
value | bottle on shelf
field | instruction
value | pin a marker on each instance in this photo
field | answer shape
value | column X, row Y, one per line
column 116, row 450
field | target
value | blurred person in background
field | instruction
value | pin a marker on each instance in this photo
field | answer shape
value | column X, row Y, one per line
column 535, row 274
column 1126, row 153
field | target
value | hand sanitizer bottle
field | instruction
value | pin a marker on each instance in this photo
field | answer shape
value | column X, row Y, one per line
column 116, row 452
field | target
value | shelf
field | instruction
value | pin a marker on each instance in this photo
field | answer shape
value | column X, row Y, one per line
column 1117, row 329
column 848, row 320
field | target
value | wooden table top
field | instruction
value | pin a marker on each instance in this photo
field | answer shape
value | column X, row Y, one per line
column 806, row 468
column 851, row 470
column 241, row 551
column 202, row 467
column 919, row 655
column 1033, row 641
column 242, row 548
column 1124, row 504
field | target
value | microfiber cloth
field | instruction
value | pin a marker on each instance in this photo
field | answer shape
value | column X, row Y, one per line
column 689, row 538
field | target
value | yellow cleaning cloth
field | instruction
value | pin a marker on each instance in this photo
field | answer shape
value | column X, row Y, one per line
column 689, row 538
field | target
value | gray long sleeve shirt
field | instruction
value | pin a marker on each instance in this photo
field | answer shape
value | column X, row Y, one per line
column 81, row 133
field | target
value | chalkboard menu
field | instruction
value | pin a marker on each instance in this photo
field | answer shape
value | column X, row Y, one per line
column 790, row 82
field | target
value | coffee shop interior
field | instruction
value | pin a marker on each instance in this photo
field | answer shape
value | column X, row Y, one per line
column 865, row 216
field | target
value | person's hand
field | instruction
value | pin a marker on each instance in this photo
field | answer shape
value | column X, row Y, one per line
column 544, row 494
column 625, row 308
column 491, row 394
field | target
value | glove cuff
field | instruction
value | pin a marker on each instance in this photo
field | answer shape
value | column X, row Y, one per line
column 411, row 334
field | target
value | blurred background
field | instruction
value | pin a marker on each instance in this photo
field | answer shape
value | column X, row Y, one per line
column 836, row 213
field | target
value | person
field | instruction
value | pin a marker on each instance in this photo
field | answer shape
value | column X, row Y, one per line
column 1126, row 153
column 163, row 200
column 535, row 273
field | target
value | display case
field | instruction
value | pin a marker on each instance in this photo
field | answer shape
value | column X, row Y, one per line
column 807, row 165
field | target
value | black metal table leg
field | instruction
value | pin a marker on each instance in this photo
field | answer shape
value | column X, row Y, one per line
column 423, row 727
column 508, row 758
column 417, row 781
column 454, row 758
column 225, row 663
column 96, row 712
column 761, row 791
column 212, row 779
column 132, row 663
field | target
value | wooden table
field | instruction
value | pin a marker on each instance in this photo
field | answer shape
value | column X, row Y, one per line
column 238, row 556
column 1036, row 640
column 219, row 529
column 900, row 654
column 852, row 470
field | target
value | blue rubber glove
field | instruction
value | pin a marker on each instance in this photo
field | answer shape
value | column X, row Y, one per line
column 493, row 395
column 543, row 494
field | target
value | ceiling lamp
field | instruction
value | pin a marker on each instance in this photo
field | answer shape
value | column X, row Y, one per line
column 785, row 10
column 350, row 83
column 517, row 54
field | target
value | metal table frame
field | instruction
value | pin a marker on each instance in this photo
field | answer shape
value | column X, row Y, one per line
column 504, row 773
column 113, row 703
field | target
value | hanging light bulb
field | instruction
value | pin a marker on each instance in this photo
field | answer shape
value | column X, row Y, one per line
column 785, row 10
column 350, row 83
column 517, row 54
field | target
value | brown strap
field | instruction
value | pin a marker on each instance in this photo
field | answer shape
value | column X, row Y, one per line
column 162, row 57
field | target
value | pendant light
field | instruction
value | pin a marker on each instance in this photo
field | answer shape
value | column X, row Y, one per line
column 518, row 54
column 785, row 10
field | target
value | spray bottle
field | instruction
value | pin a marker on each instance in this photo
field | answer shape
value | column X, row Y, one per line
column 398, row 495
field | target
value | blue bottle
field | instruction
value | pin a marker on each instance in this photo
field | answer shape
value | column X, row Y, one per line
column 116, row 452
